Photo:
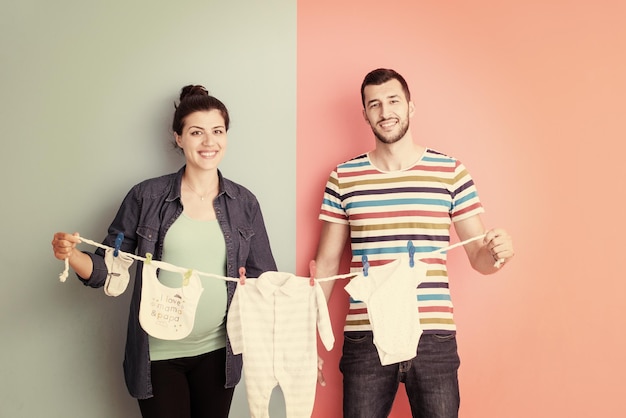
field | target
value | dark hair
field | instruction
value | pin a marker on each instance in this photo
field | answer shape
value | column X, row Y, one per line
column 380, row 76
column 196, row 98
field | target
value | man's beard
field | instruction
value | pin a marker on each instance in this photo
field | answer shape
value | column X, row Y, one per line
column 404, row 127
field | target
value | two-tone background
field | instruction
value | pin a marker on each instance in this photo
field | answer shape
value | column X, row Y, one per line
column 529, row 95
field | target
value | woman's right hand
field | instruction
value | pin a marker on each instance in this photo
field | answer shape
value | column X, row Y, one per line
column 64, row 244
column 64, row 248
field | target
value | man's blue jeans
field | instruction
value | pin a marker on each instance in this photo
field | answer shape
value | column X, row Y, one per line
column 430, row 378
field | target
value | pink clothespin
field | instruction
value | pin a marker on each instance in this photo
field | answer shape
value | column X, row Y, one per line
column 242, row 275
column 313, row 270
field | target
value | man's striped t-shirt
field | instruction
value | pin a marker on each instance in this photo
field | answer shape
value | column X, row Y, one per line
column 386, row 210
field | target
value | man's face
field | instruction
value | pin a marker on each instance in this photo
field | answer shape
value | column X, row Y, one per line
column 387, row 111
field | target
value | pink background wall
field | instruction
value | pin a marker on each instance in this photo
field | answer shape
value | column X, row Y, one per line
column 530, row 95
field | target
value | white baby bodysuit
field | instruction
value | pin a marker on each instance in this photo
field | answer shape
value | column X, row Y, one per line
column 272, row 321
column 389, row 291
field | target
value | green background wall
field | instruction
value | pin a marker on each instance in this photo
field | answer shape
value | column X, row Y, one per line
column 88, row 89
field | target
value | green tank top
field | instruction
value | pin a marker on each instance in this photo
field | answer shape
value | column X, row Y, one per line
column 198, row 245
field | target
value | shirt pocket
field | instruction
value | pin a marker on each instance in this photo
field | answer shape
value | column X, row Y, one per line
column 147, row 237
column 147, row 233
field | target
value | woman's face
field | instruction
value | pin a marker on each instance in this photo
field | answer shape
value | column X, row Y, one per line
column 203, row 139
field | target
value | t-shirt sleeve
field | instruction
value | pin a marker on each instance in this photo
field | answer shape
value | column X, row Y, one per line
column 465, row 200
column 332, row 208
column 360, row 288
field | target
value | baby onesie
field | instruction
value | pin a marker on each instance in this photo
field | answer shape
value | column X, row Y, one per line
column 389, row 291
column 272, row 321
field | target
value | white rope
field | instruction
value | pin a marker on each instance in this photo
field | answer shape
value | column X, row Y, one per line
column 65, row 272
column 168, row 266
column 497, row 264
column 63, row 276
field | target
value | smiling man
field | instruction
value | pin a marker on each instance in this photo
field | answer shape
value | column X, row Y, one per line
column 399, row 192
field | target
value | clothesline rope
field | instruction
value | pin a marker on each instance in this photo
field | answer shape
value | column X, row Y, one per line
column 63, row 276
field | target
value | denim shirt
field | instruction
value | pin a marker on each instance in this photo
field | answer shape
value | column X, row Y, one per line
column 147, row 212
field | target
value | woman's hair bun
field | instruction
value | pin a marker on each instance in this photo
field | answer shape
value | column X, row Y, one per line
column 193, row 90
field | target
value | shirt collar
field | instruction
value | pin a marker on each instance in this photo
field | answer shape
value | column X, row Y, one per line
column 271, row 282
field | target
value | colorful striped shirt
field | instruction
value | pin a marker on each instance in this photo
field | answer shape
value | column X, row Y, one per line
column 386, row 210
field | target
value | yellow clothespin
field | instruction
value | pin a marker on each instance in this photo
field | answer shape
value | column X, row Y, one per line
column 186, row 277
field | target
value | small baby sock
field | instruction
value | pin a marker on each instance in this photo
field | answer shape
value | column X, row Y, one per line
column 118, row 277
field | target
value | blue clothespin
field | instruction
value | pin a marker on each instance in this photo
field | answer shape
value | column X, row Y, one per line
column 411, row 249
column 366, row 264
column 118, row 244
